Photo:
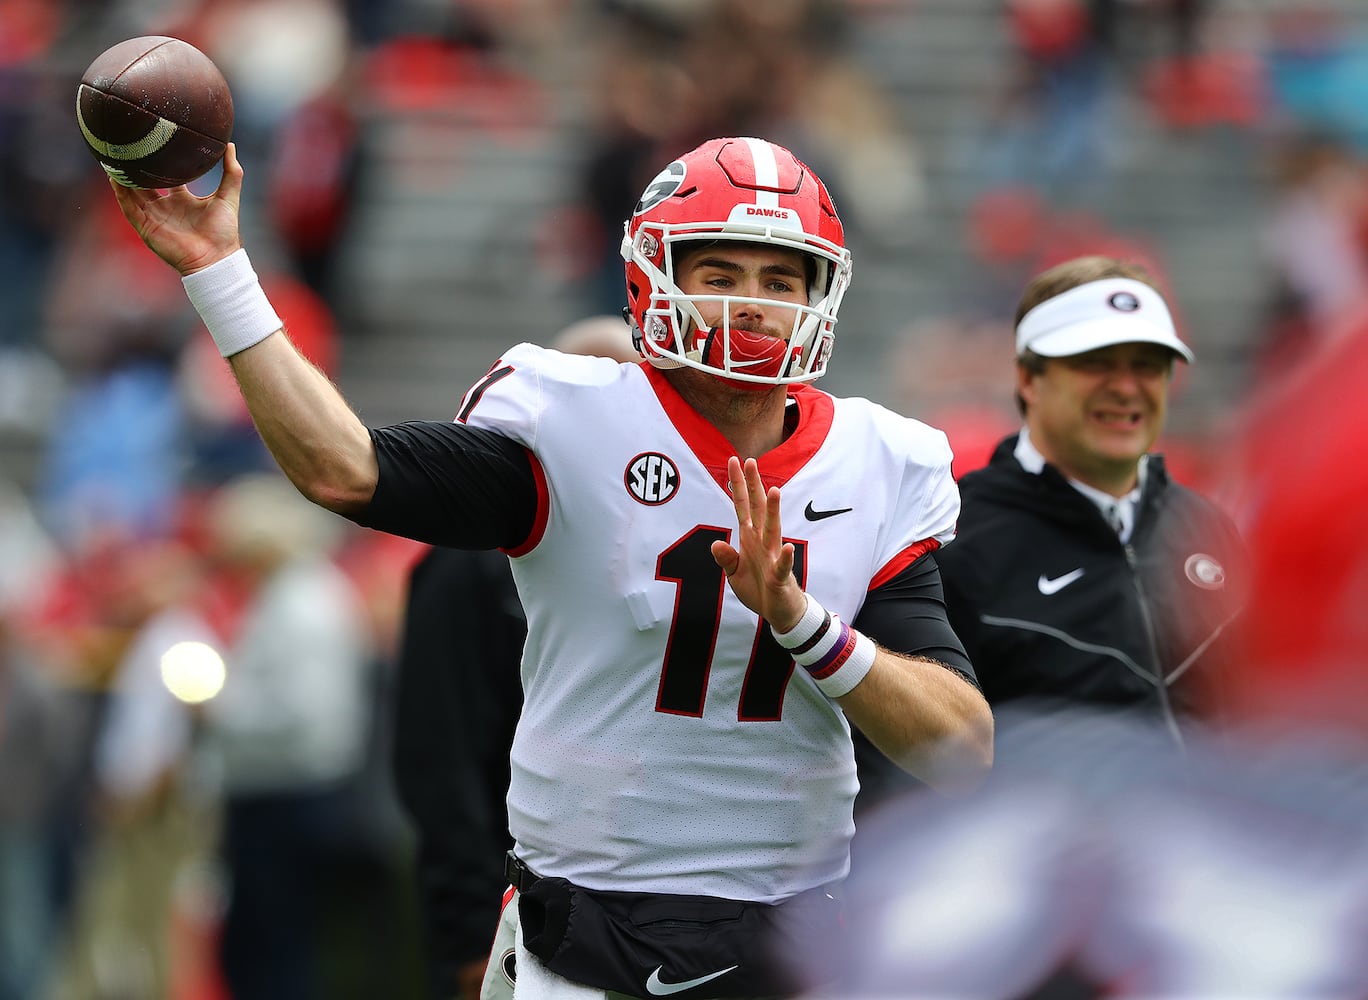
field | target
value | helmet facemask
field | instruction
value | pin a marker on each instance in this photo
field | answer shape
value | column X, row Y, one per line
column 675, row 334
column 675, row 217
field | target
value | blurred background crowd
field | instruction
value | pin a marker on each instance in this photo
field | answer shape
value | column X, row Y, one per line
column 430, row 181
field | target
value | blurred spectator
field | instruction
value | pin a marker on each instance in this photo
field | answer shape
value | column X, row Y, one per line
column 277, row 55
column 113, row 460
column 1014, row 232
column 1191, row 60
column 312, row 184
column 459, row 698
column 1048, row 126
column 628, row 136
column 1315, row 238
column 782, row 70
column 948, row 373
column 1316, row 65
column 154, row 822
column 787, row 72
column 290, row 731
column 43, row 161
column 42, row 735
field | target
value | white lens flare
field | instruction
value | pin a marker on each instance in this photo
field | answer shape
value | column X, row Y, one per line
column 193, row 671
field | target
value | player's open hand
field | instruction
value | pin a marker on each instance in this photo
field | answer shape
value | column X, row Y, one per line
column 183, row 229
column 759, row 567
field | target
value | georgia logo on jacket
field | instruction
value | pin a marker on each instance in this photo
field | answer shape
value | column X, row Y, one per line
column 1204, row 571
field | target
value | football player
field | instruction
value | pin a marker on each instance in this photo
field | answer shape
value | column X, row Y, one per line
column 682, row 771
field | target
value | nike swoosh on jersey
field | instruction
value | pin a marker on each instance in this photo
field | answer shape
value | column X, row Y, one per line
column 813, row 514
column 659, row 989
column 1048, row 586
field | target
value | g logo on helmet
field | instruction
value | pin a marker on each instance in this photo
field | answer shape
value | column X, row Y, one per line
column 666, row 183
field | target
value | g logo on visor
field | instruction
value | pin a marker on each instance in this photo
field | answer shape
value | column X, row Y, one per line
column 1124, row 302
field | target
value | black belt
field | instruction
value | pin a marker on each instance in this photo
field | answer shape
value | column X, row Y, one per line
column 517, row 874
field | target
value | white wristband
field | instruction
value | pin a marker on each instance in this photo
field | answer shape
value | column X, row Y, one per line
column 229, row 299
column 845, row 666
column 814, row 617
column 835, row 655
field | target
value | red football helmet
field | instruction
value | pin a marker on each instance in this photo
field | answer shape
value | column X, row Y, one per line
column 736, row 190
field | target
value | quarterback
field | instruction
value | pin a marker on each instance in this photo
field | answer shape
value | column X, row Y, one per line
column 682, row 773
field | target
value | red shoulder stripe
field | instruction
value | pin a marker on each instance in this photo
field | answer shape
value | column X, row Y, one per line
column 543, row 511
column 902, row 560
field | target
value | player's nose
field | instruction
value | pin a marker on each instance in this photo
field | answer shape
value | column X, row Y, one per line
column 748, row 304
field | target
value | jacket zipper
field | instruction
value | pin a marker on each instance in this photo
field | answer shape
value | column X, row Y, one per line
column 1170, row 719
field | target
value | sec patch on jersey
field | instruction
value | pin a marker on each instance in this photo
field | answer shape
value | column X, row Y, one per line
column 155, row 111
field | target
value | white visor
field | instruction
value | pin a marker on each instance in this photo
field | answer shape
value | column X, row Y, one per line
column 1099, row 314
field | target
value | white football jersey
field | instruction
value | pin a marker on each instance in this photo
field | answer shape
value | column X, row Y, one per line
column 667, row 744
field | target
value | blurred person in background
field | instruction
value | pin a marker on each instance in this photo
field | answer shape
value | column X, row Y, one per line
column 1315, row 240
column 290, row 733
column 111, row 466
column 155, row 821
column 42, row 735
column 626, row 135
column 456, row 709
column 606, row 483
column 42, row 165
column 780, row 69
column 459, row 696
column 1081, row 572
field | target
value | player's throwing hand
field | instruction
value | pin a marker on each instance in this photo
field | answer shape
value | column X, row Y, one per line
column 760, row 566
column 183, row 229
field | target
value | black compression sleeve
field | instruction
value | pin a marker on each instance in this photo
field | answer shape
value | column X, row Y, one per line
column 453, row 485
column 907, row 615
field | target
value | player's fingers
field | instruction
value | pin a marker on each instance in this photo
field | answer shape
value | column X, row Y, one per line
column 133, row 204
column 726, row 557
column 736, row 482
column 755, row 489
column 127, row 195
column 122, row 196
column 774, row 531
column 230, row 186
column 783, row 566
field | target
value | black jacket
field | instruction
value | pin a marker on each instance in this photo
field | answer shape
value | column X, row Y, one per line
column 459, row 695
column 1052, row 607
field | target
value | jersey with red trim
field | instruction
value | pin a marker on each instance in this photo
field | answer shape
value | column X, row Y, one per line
column 667, row 742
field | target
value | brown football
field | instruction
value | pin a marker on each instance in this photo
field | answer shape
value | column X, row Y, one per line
column 155, row 111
